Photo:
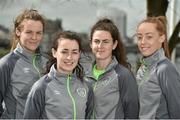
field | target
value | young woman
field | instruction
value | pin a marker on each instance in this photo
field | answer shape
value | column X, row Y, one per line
column 158, row 79
column 23, row 66
column 62, row 93
column 115, row 88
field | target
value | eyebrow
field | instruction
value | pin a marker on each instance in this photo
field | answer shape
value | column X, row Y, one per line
column 145, row 33
column 71, row 50
column 150, row 33
column 29, row 30
column 102, row 40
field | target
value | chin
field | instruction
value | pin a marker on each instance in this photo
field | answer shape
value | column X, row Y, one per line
column 100, row 58
column 147, row 55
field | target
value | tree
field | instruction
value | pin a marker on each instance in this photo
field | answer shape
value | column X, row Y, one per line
column 157, row 8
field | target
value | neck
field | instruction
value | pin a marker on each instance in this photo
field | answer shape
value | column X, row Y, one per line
column 29, row 51
column 61, row 71
column 102, row 64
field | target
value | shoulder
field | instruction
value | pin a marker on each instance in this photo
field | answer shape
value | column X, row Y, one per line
column 125, row 76
column 8, row 60
column 41, row 84
column 167, row 72
column 121, row 70
column 44, row 56
column 165, row 66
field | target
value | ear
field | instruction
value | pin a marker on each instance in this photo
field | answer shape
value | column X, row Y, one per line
column 53, row 52
column 18, row 33
column 162, row 38
column 115, row 44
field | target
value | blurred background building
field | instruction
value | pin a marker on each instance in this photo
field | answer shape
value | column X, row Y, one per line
column 79, row 16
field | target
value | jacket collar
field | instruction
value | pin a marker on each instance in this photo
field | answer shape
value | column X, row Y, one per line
column 113, row 63
column 153, row 59
column 60, row 77
column 25, row 53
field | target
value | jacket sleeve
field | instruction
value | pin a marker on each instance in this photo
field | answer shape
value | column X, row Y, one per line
column 35, row 101
column 5, row 76
column 90, row 103
column 129, row 95
column 169, row 80
column 1, row 89
column 1, row 106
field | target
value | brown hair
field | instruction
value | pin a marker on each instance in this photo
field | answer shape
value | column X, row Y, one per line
column 27, row 14
column 71, row 36
column 161, row 23
column 107, row 25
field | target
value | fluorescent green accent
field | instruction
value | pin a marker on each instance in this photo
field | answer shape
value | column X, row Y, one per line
column 142, row 61
column 145, row 77
column 146, row 72
column 34, row 65
column 73, row 100
column 97, row 73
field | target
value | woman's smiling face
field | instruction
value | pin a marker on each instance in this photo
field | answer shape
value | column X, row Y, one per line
column 148, row 39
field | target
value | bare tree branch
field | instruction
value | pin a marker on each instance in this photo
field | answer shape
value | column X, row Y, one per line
column 174, row 39
column 157, row 7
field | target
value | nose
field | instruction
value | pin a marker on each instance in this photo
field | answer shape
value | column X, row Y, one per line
column 34, row 36
column 100, row 44
column 143, row 40
column 69, row 56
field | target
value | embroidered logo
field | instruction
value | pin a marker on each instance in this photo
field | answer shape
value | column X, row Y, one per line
column 106, row 81
column 26, row 70
column 81, row 92
column 57, row 92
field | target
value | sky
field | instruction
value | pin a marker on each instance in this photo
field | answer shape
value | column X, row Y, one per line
column 77, row 15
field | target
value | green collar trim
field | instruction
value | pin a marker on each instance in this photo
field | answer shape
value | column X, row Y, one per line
column 96, row 72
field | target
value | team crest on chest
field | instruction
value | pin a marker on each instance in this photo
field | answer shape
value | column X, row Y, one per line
column 81, row 92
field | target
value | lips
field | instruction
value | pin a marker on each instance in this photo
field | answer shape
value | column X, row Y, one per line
column 33, row 43
column 69, row 63
column 100, row 50
column 144, row 48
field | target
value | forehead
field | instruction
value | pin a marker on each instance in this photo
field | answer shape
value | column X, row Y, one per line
column 101, row 34
column 32, row 24
column 147, row 28
column 64, row 43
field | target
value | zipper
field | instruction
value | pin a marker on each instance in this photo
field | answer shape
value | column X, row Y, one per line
column 35, row 66
column 94, row 88
column 95, row 84
column 72, row 98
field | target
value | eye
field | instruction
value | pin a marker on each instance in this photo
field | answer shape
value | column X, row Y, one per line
column 96, row 41
column 39, row 33
column 105, row 41
column 28, row 32
column 75, row 52
column 148, row 37
column 64, row 52
column 139, row 38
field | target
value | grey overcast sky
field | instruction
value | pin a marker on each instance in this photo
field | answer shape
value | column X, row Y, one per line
column 77, row 15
